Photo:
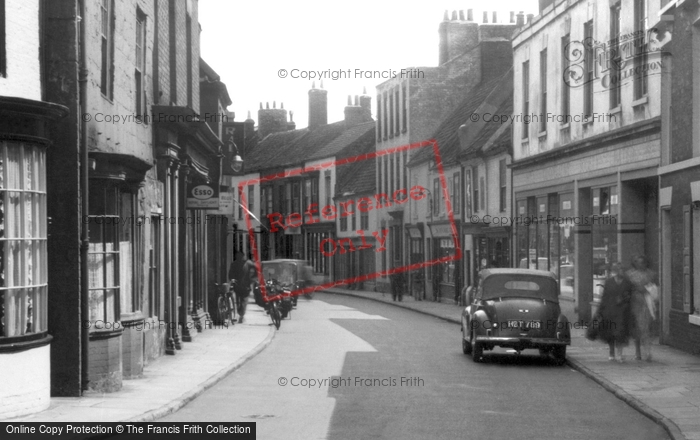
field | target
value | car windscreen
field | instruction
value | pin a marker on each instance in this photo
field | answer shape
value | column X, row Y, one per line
column 519, row 286
column 283, row 272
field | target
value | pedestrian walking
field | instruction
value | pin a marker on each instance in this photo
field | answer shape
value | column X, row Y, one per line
column 614, row 312
column 243, row 271
column 643, row 305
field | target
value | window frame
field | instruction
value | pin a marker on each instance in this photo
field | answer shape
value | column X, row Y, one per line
column 140, row 65
column 23, row 301
column 543, row 90
column 566, row 87
column 107, row 49
column 614, row 57
column 526, row 100
column 589, row 66
column 503, row 185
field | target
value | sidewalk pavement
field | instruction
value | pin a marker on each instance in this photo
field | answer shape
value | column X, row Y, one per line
column 667, row 389
column 169, row 382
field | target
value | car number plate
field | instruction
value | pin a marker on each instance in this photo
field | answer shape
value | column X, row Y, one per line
column 524, row 324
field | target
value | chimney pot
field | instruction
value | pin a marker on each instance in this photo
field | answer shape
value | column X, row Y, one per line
column 274, row 104
column 454, row 15
column 512, row 16
column 446, row 16
column 349, row 100
column 248, row 115
column 267, row 105
column 282, row 105
column 461, row 15
column 260, row 105
column 521, row 19
column 470, row 15
column 486, row 17
column 495, row 17
column 529, row 18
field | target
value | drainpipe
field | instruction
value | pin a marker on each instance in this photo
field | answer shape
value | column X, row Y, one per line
column 84, row 233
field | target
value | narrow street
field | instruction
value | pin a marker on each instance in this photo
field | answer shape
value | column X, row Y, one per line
column 365, row 349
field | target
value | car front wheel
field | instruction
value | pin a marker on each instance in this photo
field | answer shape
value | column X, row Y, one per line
column 466, row 344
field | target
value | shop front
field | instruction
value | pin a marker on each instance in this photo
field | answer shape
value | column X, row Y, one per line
column 446, row 274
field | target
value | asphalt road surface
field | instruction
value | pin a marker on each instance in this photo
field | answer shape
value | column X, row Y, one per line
column 347, row 368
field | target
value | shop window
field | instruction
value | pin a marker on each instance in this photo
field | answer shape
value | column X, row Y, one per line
column 604, row 229
column 23, row 269
column 104, row 254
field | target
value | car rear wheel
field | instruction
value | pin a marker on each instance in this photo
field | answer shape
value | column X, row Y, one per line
column 477, row 349
column 559, row 353
column 466, row 344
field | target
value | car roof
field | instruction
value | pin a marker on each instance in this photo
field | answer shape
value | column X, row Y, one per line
column 530, row 272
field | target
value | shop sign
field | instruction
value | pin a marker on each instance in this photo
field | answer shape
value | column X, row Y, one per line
column 203, row 197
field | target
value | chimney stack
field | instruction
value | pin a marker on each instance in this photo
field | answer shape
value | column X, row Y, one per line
column 456, row 37
column 366, row 103
column 521, row 19
column 318, row 107
column 271, row 120
column 358, row 112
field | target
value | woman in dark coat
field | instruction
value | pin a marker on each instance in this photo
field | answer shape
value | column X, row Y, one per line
column 614, row 312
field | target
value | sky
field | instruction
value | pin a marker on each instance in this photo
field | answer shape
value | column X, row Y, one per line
column 248, row 43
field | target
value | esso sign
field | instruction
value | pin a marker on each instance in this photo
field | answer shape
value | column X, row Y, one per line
column 202, row 192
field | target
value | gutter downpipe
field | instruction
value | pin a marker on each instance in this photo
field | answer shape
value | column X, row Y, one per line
column 84, row 233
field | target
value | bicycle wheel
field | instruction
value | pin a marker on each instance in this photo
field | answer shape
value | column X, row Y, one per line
column 275, row 315
column 224, row 313
column 232, row 307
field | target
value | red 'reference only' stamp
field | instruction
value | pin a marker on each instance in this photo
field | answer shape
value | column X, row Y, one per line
column 329, row 247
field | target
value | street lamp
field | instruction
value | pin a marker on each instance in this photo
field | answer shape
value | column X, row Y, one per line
column 237, row 164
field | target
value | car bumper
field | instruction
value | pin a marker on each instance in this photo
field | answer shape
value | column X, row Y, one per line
column 522, row 342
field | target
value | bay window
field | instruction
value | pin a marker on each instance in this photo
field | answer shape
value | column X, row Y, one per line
column 23, row 268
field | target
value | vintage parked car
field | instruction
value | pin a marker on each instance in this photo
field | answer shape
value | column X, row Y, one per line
column 291, row 274
column 518, row 309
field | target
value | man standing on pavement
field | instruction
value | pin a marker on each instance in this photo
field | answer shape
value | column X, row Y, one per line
column 241, row 270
